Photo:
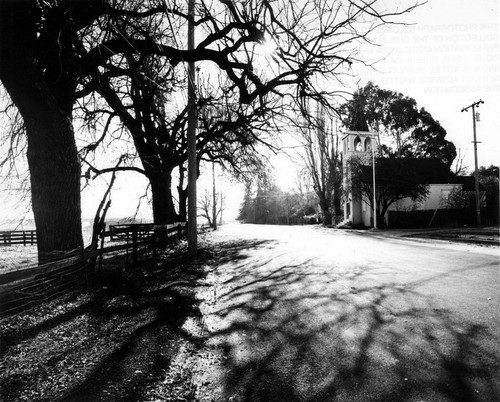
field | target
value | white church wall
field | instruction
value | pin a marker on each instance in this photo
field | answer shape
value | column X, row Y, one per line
column 366, row 212
column 437, row 198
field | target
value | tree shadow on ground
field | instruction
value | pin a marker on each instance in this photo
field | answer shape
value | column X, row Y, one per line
column 146, row 352
column 121, row 338
column 139, row 356
column 296, row 331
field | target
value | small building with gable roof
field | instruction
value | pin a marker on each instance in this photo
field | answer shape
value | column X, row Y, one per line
column 358, row 141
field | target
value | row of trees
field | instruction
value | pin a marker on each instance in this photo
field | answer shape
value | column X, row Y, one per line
column 268, row 204
column 120, row 66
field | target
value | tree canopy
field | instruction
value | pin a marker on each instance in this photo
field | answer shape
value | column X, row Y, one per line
column 268, row 204
column 51, row 53
column 415, row 133
column 488, row 174
column 396, row 178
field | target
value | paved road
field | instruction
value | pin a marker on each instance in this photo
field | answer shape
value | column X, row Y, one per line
column 310, row 314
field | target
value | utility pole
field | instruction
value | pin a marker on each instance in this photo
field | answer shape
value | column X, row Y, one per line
column 214, row 206
column 374, row 184
column 191, row 141
column 476, row 172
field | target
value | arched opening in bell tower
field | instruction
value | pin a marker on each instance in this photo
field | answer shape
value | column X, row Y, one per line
column 357, row 144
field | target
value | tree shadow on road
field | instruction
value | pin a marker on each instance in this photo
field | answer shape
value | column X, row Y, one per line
column 299, row 331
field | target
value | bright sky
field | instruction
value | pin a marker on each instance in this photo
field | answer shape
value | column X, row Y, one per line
column 447, row 60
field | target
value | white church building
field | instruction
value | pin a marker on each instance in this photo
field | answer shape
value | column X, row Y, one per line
column 357, row 212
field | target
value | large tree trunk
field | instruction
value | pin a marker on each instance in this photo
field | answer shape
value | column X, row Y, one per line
column 327, row 216
column 337, row 207
column 55, row 181
column 163, row 204
column 183, row 195
column 52, row 156
column 54, row 171
column 326, row 211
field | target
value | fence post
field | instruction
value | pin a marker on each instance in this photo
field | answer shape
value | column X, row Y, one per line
column 101, row 254
column 85, row 266
column 157, row 239
column 134, row 244
column 153, row 239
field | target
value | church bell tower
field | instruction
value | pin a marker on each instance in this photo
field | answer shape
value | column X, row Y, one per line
column 357, row 142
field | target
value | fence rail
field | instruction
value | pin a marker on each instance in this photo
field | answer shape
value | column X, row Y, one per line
column 137, row 235
column 18, row 237
column 142, row 231
column 24, row 289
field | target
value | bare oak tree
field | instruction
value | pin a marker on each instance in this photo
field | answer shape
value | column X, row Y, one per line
column 251, row 88
column 209, row 210
column 38, row 71
column 49, row 49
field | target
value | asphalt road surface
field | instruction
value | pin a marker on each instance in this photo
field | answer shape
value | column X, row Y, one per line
column 312, row 314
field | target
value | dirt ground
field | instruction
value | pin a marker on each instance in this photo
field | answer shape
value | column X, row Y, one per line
column 134, row 336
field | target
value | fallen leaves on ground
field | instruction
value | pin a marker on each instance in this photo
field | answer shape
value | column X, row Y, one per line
column 115, row 342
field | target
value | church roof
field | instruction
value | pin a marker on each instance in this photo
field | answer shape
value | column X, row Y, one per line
column 424, row 170
column 430, row 171
column 468, row 183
